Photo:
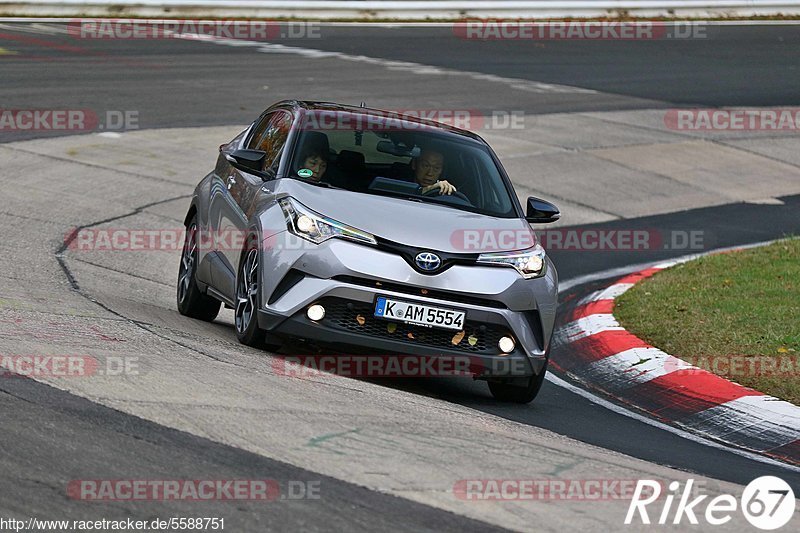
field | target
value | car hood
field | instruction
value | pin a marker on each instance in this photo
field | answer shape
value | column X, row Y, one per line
column 421, row 225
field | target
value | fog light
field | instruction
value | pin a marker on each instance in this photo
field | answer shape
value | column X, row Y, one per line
column 316, row 313
column 506, row 344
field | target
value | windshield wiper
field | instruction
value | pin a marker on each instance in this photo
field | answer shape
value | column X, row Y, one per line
column 320, row 184
column 426, row 200
column 421, row 200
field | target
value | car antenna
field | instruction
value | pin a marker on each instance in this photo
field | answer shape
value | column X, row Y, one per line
column 363, row 104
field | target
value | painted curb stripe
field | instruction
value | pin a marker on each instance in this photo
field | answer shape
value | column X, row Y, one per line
column 605, row 356
column 636, row 277
column 598, row 307
column 789, row 452
column 682, row 393
column 632, row 367
column 609, row 293
column 599, row 346
column 587, row 326
column 742, row 421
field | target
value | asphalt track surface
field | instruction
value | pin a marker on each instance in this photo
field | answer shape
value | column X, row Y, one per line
column 183, row 83
column 171, row 82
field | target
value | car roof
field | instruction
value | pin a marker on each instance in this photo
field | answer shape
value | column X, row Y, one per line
column 309, row 105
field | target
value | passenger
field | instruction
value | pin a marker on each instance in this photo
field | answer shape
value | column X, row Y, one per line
column 315, row 159
column 314, row 156
column 427, row 169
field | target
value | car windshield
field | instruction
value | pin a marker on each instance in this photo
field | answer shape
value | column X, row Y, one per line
column 395, row 157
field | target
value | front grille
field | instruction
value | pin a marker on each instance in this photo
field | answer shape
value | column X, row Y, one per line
column 419, row 291
column 358, row 317
column 409, row 253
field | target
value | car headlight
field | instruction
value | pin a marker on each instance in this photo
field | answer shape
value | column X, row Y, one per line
column 307, row 224
column 530, row 263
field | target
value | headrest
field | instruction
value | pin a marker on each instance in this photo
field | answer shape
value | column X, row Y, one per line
column 315, row 141
column 349, row 158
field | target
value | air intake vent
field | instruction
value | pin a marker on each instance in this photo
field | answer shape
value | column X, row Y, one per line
column 292, row 278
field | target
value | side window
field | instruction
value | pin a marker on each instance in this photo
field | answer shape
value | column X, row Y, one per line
column 258, row 131
column 270, row 136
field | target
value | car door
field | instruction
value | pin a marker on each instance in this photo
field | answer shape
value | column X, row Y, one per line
column 235, row 192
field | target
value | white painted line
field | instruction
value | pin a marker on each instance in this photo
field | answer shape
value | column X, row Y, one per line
column 403, row 66
column 555, row 380
column 50, row 28
column 670, row 264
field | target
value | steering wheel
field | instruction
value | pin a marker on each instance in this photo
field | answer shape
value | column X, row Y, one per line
column 438, row 192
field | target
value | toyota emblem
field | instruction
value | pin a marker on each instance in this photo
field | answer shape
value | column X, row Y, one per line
column 428, row 261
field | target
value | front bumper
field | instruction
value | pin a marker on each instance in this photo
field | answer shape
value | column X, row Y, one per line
column 345, row 278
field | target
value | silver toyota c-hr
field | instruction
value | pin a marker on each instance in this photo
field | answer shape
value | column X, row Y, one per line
column 367, row 231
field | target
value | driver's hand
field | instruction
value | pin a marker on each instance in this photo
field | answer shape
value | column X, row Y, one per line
column 445, row 187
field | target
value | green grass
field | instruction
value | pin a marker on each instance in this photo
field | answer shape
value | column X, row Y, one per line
column 736, row 314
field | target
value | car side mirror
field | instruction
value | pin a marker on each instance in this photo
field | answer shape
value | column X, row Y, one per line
column 248, row 160
column 541, row 211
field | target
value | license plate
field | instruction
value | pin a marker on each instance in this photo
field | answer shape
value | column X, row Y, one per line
column 419, row 314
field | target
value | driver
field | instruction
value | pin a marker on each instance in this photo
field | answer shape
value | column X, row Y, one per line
column 427, row 169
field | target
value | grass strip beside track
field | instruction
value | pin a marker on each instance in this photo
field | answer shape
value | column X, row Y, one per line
column 735, row 314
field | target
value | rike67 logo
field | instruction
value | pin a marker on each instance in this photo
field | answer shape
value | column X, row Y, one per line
column 767, row 503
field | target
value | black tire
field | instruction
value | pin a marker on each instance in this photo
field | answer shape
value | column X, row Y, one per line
column 509, row 392
column 248, row 297
column 191, row 301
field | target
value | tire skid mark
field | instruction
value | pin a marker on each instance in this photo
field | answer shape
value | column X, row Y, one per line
column 60, row 257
